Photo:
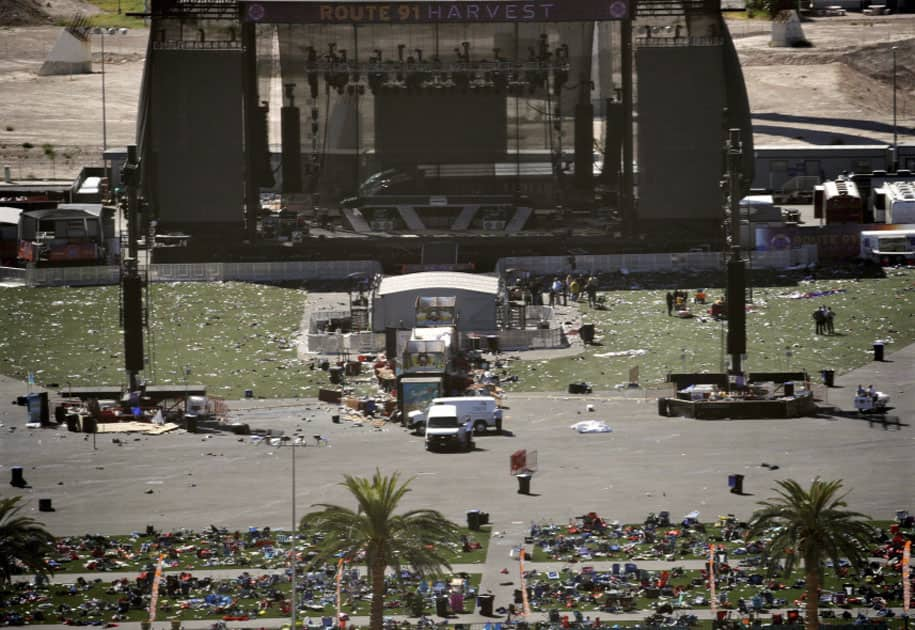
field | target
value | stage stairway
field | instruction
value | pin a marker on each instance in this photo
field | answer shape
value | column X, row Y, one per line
column 409, row 216
column 518, row 220
column 356, row 220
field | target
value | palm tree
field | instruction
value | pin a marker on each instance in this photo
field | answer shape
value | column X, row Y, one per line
column 811, row 526
column 23, row 542
column 417, row 538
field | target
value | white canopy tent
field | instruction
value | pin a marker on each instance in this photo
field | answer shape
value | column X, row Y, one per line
column 475, row 299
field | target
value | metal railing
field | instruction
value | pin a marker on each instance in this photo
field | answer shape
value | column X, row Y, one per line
column 205, row 272
column 658, row 263
column 12, row 274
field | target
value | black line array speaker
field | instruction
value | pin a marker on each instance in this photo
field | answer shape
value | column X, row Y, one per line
column 584, row 149
column 737, row 307
column 613, row 145
column 133, row 323
column 261, row 147
column 292, row 149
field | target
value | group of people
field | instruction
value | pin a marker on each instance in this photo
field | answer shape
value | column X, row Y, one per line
column 676, row 299
column 824, row 318
column 558, row 289
column 574, row 287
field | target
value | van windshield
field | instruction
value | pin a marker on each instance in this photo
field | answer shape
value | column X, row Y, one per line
column 443, row 423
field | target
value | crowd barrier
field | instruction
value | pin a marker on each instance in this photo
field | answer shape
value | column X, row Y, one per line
column 12, row 274
column 655, row 263
column 347, row 343
column 206, row 272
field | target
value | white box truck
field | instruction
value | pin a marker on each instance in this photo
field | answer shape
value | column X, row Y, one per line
column 445, row 430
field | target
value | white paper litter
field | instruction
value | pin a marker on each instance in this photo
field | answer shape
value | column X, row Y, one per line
column 622, row 353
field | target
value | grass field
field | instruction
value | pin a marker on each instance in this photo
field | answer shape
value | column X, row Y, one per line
column 236, row 336
column 636, row 321
column 231, row 336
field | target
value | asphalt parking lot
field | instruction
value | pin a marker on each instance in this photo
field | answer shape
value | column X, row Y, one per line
column 646, row 464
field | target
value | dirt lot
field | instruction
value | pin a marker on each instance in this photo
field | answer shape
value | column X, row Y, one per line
column 836, row 91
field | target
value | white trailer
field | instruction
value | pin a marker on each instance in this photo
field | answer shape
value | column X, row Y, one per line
column 888, row 246
column 898, row 201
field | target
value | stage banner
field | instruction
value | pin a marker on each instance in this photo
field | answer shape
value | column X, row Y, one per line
column 154, row 596
column 906, row 576
column 712, row 600
column 339, row 578
column 434, row 12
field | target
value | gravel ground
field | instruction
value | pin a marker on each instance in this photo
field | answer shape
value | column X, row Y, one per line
column 836, row 90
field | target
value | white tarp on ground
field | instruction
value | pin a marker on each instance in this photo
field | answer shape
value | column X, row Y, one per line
column 591, row 426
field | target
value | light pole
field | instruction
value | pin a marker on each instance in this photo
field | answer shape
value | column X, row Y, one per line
column 292, row 607
column 101, row 32
column 187, row 372
column 895, row 144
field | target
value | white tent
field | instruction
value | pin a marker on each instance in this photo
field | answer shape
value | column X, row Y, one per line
column 475, row 298
column 70, row 55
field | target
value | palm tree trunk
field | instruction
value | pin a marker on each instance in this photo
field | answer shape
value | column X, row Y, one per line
column 812, row 581
column 377, row 612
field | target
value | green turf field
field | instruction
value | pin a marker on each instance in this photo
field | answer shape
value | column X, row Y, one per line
column 235, row 336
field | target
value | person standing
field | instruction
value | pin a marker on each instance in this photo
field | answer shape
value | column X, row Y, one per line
column 830, row 317
column 575, row 289
column 591, row 289
column 670, row 303
column 819, row 320
column 555, row 290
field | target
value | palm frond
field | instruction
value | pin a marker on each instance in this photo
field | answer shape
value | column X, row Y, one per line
column 23, row 541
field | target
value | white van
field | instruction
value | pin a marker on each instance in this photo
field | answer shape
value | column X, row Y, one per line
column 482, row 411
column 444, row 429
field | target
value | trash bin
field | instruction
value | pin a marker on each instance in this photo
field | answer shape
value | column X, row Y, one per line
column 16, row 478
column 735, row 483
column 829, row 377
column 518, row 596
column 663, row 407
column 190, row 423
column 441, row 606
column 554, row 616
column 579, row 388
column 586, row 332
column 485, row 603
column 249, row 393
column 524, row 484
column 44, row 505
column 492, row 343
column 90, row 425
column 878, row 351
column 73, row 424
column 789, row 388
column 484, row 518
column 473, row 520
column 336, row 374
